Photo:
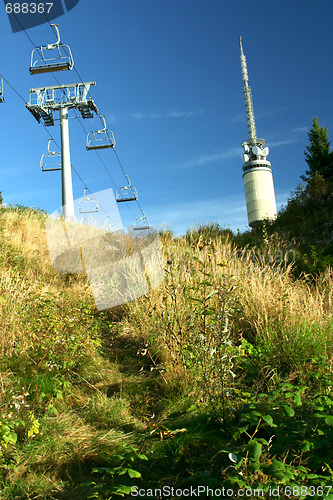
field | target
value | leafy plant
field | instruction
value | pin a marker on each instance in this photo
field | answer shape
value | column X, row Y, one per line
column 17, row 424
column 281, row 437
column 111, row 478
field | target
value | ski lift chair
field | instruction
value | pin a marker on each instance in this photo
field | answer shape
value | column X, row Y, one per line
column 108, row 224
column 2, row 99
column 61, row 58
column 100, row 139
column 51, row 160
column 126, row 193
column 88, row 205
column 141, row 222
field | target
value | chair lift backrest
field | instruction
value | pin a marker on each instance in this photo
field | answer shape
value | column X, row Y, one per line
column 100, row 139
column 49, row 166
column 141, row 222
column 88, row 205
column 62, row 62
column 126, row 193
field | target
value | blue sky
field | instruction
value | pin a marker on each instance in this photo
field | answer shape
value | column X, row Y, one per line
column 168, row 80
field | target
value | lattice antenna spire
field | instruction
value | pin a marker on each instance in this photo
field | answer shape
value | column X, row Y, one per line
column 248, row 98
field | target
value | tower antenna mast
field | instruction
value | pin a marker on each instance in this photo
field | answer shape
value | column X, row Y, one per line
column 248, row 98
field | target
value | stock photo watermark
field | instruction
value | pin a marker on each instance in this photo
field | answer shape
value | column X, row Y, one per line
column 121, row 266
column 23, row 14
column 241, row 263
column 197, row 491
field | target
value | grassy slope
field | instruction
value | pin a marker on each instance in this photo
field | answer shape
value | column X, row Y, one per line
column 225, row 343
column 307, row 221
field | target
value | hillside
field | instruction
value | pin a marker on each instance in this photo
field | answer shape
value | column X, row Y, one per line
column 307, row 221
column 221, row 377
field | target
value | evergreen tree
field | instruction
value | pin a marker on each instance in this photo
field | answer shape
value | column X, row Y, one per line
column 318, row 155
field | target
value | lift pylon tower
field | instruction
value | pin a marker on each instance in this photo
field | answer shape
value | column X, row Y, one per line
column 43, row 102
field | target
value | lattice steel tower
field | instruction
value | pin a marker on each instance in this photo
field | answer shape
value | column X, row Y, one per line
column 257, row 171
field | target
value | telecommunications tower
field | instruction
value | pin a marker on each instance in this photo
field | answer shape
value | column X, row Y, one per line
column 257, row 171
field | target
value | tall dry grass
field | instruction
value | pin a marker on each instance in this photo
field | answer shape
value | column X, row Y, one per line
column 24, row 232
column 259, row 299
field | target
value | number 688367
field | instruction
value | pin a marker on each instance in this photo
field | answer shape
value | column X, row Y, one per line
column 29, row 8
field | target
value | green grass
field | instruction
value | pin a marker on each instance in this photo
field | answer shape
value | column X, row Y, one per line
column 229, row 357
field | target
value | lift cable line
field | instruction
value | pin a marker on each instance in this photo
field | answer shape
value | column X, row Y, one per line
column 11, row 86
column 80, row 178
column 23, row 29
column 100, row 158
column 111, row 139
column 51, row 138
column 105, row 167
column 103, row 122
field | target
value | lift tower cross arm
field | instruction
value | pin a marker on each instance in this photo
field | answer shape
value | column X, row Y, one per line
column 44, row 100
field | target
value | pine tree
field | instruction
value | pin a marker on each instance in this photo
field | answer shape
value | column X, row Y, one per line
column 318, row 155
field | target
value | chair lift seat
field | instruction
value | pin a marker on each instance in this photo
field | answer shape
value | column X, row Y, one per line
column 139, row 228
column 128, row 198
column 88, row 205
column 50, row 161
column 141, row 223
column 126, row 193
column 62, row 60
column 100, row 139
column 50, row 68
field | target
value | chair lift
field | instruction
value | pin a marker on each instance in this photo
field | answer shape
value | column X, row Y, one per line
column 141, row 222
column 126, row 193
column 51, row 160
column 2, row 99
column 61, row 58
column 108, row 224
column 100, row 139
column 88, row 205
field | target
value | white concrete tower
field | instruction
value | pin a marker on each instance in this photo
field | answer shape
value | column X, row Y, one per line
column 257, row 171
